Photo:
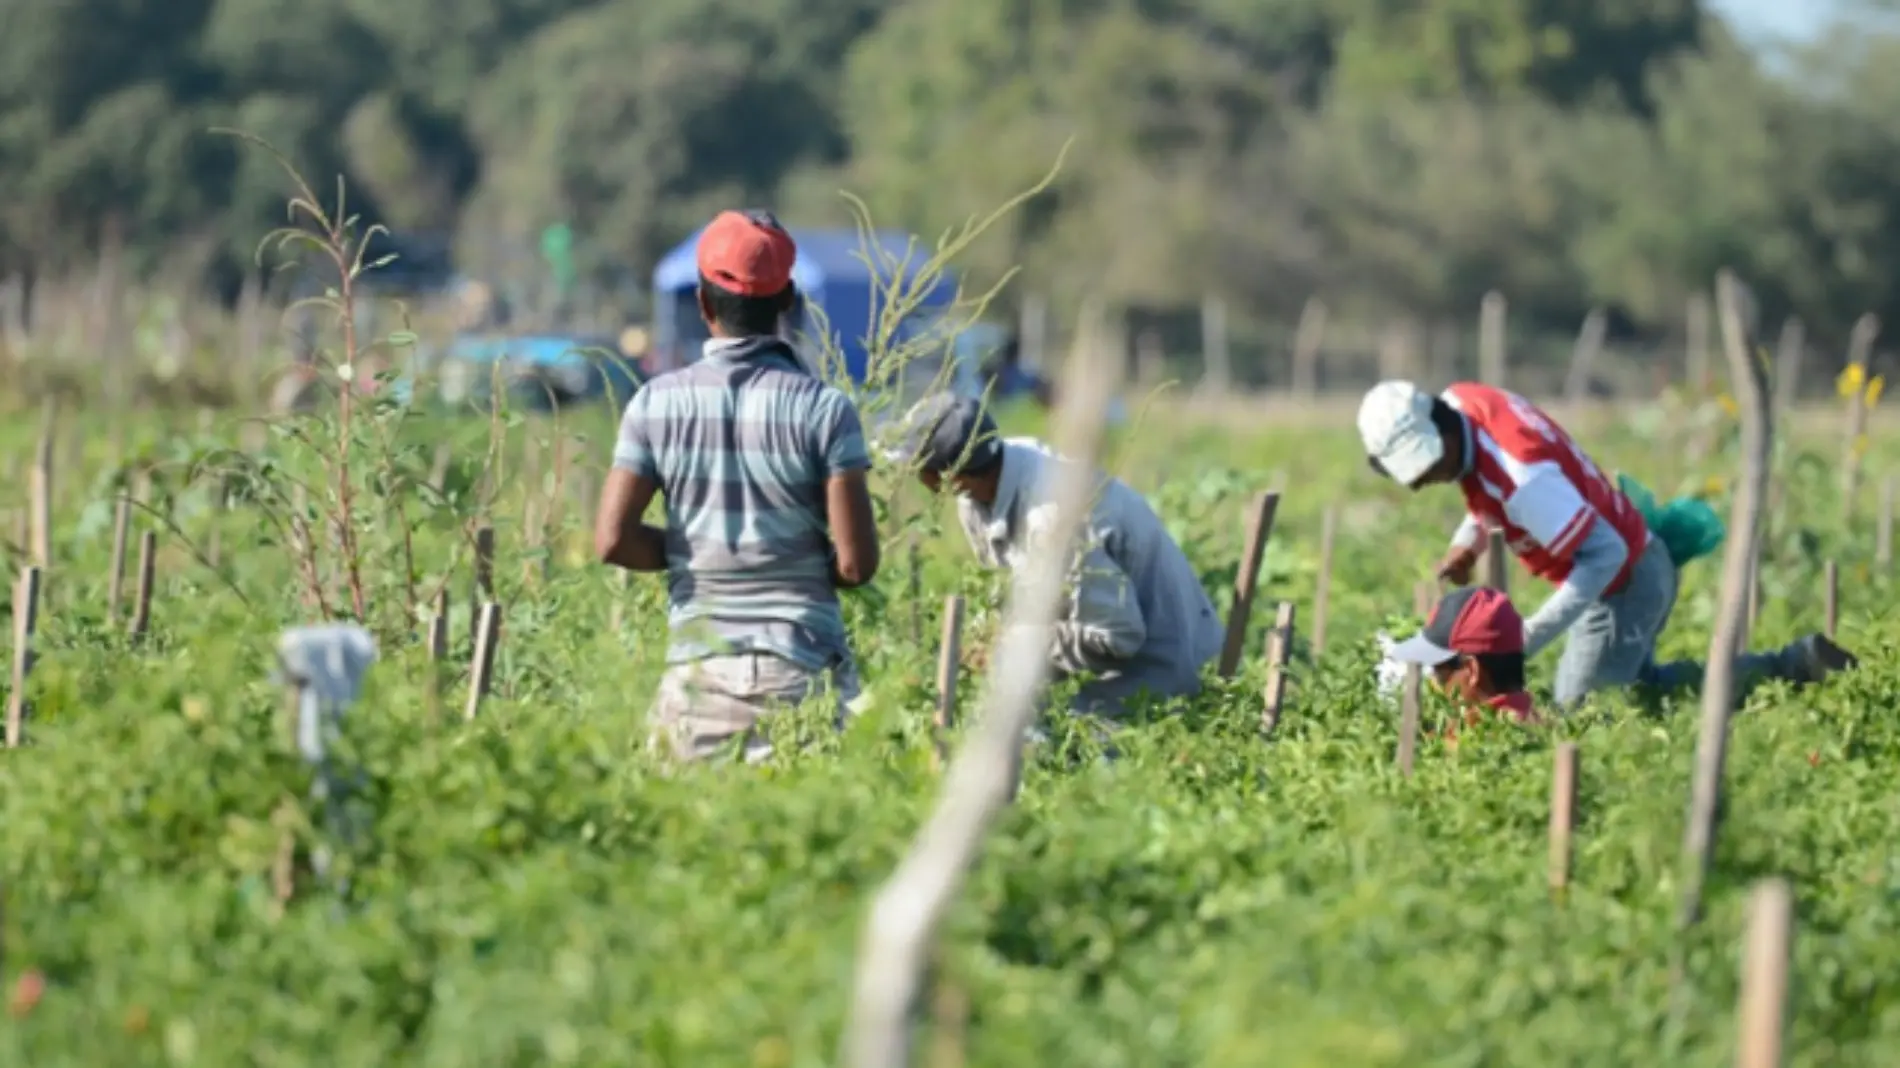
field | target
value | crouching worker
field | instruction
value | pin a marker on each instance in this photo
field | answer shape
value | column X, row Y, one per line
column 767, row 513
column 1523, row 475
column 1473, row 645
column 1135, row 618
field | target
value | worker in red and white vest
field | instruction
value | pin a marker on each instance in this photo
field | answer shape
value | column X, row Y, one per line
column 1568, row 523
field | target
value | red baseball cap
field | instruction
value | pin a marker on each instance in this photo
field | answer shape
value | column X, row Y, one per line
column 747, row 253
column 1472, row 621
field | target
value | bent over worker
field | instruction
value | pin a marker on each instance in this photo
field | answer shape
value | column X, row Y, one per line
column 767, row 513
column 1522, row 474
column 1473, row 644
column 1135, row 618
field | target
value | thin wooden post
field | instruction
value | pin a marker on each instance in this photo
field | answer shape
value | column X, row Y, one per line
column 484, row 575
column 1033, row 334
column 1248, row 577
column 487, row 637
column 1308, row 343
column 1497, row 563
column 1279, row 651
column 1790, row 353
column 42, row 497
column 1328, row 533
column 1860, row 355
column 914, row 557
column 1719, row 681
column 121, row 530
column 1883, row 532
column 949, row 662
column 1424, row 598
column 1763, row 1007
column 26, row 619
column 1218, row 369
column 1584, row 356
column 1410, row 700
column 1751, row 615
column 1563, row 815
column 1831, row 594
column 142, row 596
column 1492, row 356
column 438, row 638
column 1700, row 321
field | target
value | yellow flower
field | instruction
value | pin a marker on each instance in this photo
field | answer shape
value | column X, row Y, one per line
column 1714, row 486
column 1728, row 405
column 1852, row 380
column 1874, row 386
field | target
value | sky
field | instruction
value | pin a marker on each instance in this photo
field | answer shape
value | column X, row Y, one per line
column 1779, row 18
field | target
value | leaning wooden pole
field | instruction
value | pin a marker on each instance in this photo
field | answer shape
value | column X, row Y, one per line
column 1750, row 389
column 896, row 943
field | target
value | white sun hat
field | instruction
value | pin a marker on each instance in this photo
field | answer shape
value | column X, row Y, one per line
column 1395, row 423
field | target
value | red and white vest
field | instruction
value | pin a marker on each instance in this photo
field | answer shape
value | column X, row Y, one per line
column 1530, row 480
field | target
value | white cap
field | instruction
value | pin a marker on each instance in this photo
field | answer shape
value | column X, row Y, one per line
column 1395, row 422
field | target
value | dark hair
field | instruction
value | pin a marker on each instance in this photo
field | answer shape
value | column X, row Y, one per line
column 740, row 316
column 1505, row 671
column 983, row 464
column 1448, row 423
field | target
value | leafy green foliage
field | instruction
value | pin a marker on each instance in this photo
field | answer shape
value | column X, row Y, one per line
column 535, row 890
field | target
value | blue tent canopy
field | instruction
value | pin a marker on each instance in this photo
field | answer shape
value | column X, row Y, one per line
column 834, row 270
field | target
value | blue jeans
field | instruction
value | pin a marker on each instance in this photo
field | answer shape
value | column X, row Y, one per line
column 1614, row 643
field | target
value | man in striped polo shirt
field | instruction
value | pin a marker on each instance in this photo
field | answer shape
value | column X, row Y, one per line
column 1522, row 474
column 763, row 470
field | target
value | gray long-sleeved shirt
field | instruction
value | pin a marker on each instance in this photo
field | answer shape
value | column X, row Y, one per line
column 1136, row 616
column 1599, row 559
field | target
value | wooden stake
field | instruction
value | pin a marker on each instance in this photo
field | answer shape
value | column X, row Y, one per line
column 1763, row 1006
column 1248, row 577
column 1563, row 815
column 1789, row 356
column 487, row 637
column 1883, row 533
column 1860, row 352
column 26, row 619
column 1584, row 356
column 1328, row 533
column 1279, row 650
column 1424, row 598
column 1497, row 563
column 1831, row 583
column 915, row 559
column 1719, row 685
column 1700, row 327
column 1492, row 357
column 121, row 528
column 1309, row 342
column 439, row 638
column 484, row 574
column 42, row 500
column 949, row 661
column 1412, row 697
column 142, row 598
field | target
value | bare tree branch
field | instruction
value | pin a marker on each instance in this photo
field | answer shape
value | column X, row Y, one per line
column 982, row 779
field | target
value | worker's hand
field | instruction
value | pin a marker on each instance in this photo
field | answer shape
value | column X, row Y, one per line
column 1456, row 567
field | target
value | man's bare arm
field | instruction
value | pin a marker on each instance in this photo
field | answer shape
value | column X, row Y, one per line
column 853, row 529
column 622, row 537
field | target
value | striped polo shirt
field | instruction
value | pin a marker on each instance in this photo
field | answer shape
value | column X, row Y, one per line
column 741, row 444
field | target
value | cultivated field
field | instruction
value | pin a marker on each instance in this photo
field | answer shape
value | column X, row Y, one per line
column 530, row 890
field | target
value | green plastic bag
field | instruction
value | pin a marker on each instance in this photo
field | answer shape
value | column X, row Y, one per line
column 1686, row 526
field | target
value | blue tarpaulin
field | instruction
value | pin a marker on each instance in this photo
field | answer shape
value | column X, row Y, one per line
column 831, row 272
